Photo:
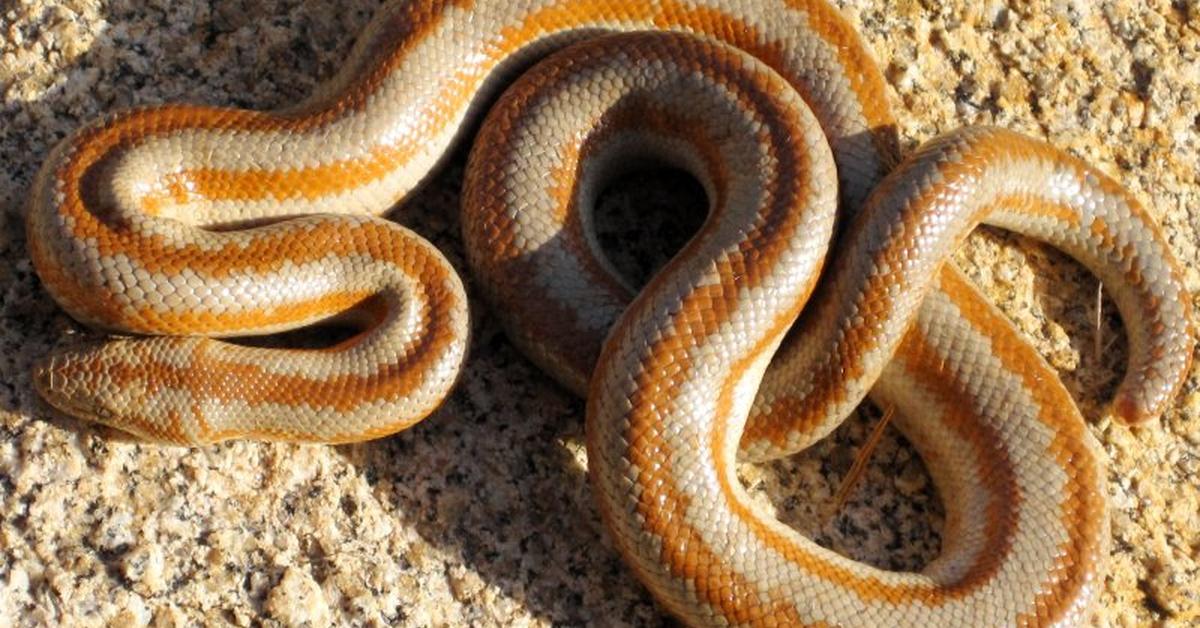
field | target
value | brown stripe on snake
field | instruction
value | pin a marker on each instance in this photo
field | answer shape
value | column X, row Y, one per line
column 401, row 28
column 491, row 222
column 256, row 384
column 1083, row 503
column 769, row 238
column 663, row 511
column 406, row 30
column 255, row 256
column 808, row 409
column 1083, row 500
column 809, row 390
column 959, row 159
column 232, row 376
column 1003, row 502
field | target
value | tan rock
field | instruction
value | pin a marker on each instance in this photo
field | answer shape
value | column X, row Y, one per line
column 298, row 600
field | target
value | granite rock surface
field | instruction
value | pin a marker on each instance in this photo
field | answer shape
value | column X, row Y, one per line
column 481, row 515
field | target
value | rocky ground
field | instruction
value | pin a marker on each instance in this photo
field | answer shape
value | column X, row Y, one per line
column 481, row 515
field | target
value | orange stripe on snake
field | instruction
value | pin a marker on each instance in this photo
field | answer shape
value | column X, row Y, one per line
column 143, row 222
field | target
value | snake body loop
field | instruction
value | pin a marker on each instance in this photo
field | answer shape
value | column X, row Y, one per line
column 194, row 223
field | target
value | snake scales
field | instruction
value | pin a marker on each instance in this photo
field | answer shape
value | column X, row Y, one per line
column 130, row 229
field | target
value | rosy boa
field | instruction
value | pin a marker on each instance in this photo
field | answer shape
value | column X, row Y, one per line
column 165, row 221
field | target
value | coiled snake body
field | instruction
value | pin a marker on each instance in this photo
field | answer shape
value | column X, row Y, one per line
column 776, row 108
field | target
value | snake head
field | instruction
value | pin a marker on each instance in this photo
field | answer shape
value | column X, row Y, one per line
column 99, row 383
column 66, row 379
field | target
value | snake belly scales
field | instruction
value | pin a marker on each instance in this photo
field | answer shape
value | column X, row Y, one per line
column 183, row 224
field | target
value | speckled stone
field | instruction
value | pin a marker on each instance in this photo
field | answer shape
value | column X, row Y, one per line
column 481, row 515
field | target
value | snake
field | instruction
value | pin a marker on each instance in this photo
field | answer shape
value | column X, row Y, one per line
column 819, row 278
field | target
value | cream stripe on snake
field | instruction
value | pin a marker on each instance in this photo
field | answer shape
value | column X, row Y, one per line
column 676, row 382
column 113, row 228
